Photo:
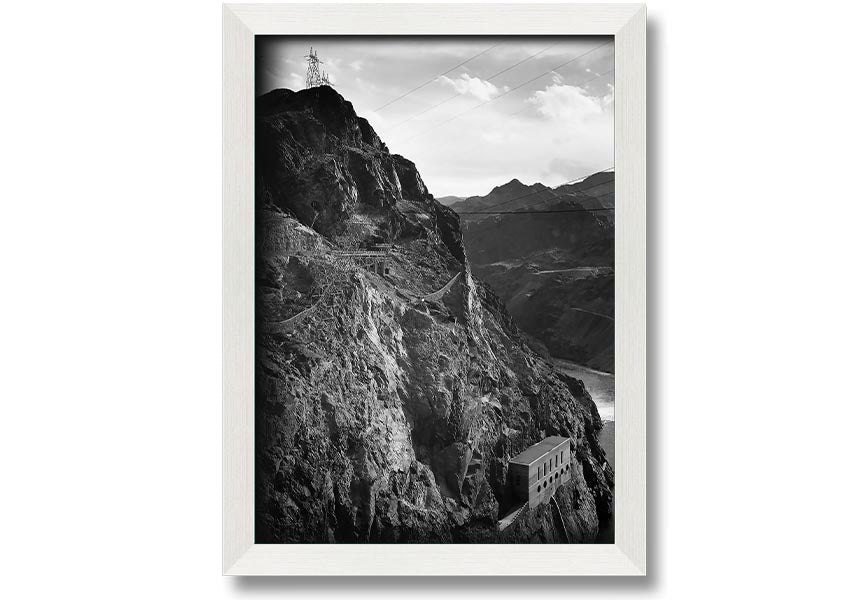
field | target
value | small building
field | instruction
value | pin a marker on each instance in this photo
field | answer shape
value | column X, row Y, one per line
column 379, row 266
column 536, row 472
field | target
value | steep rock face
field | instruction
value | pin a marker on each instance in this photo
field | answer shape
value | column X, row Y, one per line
column 389, row 403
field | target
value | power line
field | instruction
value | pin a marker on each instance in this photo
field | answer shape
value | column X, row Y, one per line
column 464, row 149
column 419, row 87
column 584, row 83
column 526, row 59
column 572, row 181
column 504, row 93
column 564, row 197
column 508, row 92
column 535, row 212
column 583, row 177
column 498, row 223
column 545, row 200
column 550, row 211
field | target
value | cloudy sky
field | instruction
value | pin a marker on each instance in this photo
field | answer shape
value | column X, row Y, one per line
column 472, row 113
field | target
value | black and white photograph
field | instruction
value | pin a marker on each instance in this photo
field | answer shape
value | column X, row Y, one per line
column 434, row 289
column 424, row 299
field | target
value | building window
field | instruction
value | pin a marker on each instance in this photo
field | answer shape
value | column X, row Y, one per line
column 539, row 474
column 538, row 489
column 562, row 456
column 545, row 469
column 544, row 485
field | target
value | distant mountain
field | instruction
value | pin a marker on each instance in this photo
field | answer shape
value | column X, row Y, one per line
column 553, row 271
column 599, row 188
column 449, row 200
column 593, row 193
column 514, row 195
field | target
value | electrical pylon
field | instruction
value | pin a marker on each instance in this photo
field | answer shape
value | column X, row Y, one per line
column 315, row 77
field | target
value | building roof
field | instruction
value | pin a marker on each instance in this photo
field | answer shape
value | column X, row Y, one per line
column 538, row 450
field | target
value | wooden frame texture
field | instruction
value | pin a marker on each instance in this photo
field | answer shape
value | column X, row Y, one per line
column 240, row 23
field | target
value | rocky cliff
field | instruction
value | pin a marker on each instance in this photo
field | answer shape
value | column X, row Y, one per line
column 391, row 392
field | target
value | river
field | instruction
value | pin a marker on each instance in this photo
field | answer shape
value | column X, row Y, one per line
column 598, row 383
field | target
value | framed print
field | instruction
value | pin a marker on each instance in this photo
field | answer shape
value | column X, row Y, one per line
column 434, row 289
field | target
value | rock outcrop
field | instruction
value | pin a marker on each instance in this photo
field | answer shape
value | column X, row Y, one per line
column 385, row 412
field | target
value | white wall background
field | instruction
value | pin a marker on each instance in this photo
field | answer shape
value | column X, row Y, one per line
column 110, row 320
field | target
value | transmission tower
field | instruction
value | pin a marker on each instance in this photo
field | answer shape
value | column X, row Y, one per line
column 315, row 78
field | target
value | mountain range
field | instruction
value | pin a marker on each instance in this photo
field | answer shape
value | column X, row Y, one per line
column 594, row 192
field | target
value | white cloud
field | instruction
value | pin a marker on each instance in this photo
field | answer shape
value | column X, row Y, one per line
column 368, row 87
column 356, row 65
column 566, row 103
column 295, row 81
column 472, row 86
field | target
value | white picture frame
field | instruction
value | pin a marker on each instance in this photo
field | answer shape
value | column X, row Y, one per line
column 240, row 555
